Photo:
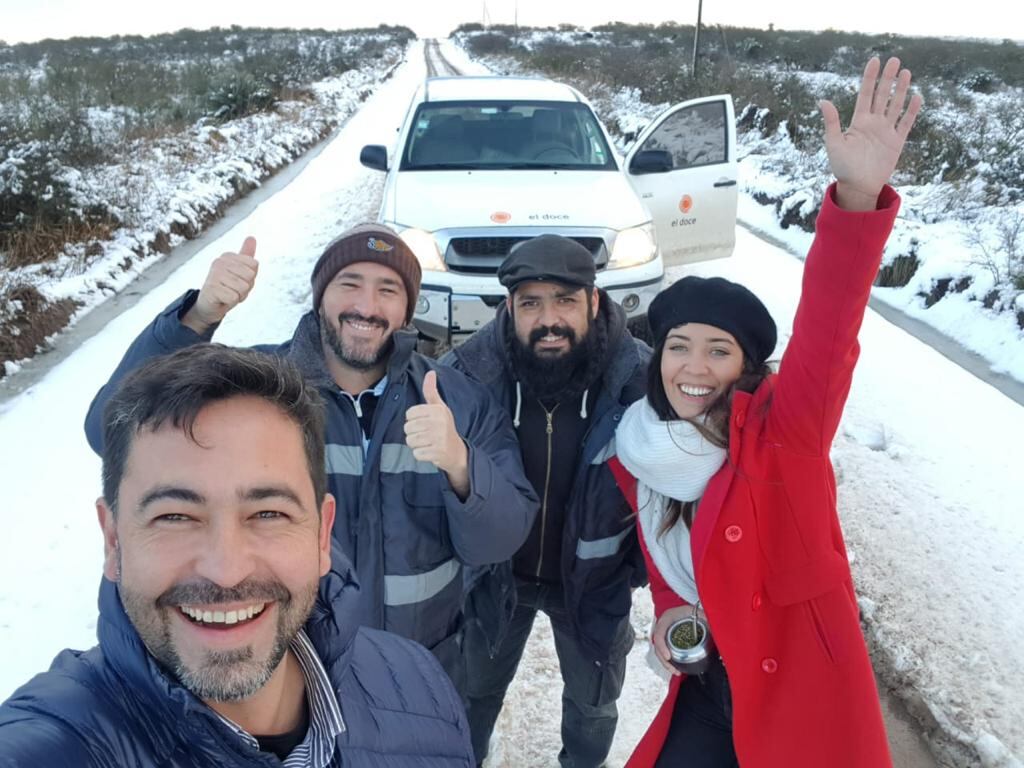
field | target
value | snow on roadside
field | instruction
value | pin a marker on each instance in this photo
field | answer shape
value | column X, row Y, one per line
column 170, row 188
column 51, row 552
column 944, row 225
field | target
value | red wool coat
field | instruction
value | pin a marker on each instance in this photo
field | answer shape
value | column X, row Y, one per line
column 768, row 553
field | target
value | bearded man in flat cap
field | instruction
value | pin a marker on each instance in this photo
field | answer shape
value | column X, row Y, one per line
column 559, row 359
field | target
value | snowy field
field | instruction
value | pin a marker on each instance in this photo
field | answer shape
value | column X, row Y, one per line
column 946, row 227
column 927, row 459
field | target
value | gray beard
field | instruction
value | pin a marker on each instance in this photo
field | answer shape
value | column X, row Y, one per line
column 221, row 675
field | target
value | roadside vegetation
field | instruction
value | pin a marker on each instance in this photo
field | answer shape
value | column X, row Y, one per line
column 144, row 140
column 970, row 140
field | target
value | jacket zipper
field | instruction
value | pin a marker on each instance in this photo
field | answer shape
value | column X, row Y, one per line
column 547, row 483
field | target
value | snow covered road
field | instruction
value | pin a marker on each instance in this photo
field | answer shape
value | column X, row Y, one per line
column 928, row 459
column 50, row 556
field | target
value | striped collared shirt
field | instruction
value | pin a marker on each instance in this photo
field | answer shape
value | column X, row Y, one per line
column 357, row 402
column 325, row 721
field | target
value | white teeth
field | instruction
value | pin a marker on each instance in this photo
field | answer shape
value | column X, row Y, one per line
column 222, row 617
column 695, row 391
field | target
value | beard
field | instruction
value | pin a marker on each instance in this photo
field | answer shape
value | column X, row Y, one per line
column 555, row 376
column 361, row 357
column 223, row 675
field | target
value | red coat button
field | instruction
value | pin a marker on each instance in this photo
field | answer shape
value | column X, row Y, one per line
column 733, row 534
column 755, row 602
column 769, row 666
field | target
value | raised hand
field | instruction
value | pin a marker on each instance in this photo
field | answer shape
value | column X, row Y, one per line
column 864, row 156
column 231, row 277
column 430, row 432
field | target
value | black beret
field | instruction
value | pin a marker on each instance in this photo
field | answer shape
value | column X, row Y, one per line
column 548, row 257
column 718, row 302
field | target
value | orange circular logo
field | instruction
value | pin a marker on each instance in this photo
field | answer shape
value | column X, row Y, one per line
column 501, row 217
column 686, row 204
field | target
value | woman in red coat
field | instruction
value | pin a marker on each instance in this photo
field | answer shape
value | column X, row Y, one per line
column 728, row 466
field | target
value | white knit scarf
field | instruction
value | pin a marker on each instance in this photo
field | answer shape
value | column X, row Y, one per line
column 670, row 460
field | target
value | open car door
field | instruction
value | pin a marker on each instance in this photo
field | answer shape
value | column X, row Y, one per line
column 683, row 167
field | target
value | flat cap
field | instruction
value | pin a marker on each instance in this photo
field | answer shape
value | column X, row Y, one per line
column 549, row 258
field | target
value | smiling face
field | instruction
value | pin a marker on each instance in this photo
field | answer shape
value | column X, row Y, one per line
column 550, row 318
column 361, row 307
column 218, row 546
column 698, row 364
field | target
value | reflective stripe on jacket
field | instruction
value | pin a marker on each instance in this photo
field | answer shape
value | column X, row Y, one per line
column 406, row 532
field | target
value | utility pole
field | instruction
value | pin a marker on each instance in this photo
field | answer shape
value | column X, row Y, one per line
column 696, row 38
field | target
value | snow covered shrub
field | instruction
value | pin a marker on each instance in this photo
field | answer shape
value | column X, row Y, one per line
column 238, row 95
column 999, row 249
column 766, row 102
column 27, row 318
column 32, row 196
column 937, row 149
column 562, row 60
column 751, row 48
column 898, row 270
column 489, row 43
column 1004, row 170
column 982, row 81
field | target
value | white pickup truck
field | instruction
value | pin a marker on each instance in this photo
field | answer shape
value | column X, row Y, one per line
column 482, row 163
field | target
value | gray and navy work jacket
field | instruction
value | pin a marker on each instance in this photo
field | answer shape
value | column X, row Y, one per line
column 398, row 520
column 601, row 559
column 114, row 705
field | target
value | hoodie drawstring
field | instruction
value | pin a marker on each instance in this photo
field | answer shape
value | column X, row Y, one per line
column 519, row 405
column 583, row 405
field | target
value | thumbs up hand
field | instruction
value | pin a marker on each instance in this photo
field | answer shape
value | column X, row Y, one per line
column 430, row 432
column 231, row 277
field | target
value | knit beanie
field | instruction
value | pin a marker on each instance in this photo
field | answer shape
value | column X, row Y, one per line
column 368, row 242
column 718, row 302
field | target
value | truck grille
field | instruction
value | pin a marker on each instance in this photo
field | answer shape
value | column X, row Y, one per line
column 485, row 254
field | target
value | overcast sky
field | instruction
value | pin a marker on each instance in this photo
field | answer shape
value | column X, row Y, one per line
column 26, row 20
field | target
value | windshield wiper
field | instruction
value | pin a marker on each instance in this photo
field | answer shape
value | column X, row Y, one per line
column 531, row 167
column 444, row 167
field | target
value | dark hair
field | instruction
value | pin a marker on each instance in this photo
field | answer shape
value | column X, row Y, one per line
column 175, row 388
column 715, row 428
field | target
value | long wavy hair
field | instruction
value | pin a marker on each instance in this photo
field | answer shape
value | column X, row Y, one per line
column 714, row 429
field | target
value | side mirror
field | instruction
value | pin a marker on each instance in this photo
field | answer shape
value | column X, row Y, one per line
column 651, row 161
column 374, row 156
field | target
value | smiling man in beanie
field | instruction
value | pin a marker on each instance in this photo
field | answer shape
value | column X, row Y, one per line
column 559, row 359
column 425, row 470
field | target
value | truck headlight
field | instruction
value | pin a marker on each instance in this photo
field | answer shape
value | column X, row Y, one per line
column 425, row 247
column 633, row 246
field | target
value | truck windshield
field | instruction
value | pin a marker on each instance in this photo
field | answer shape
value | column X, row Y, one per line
column 491, row 135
